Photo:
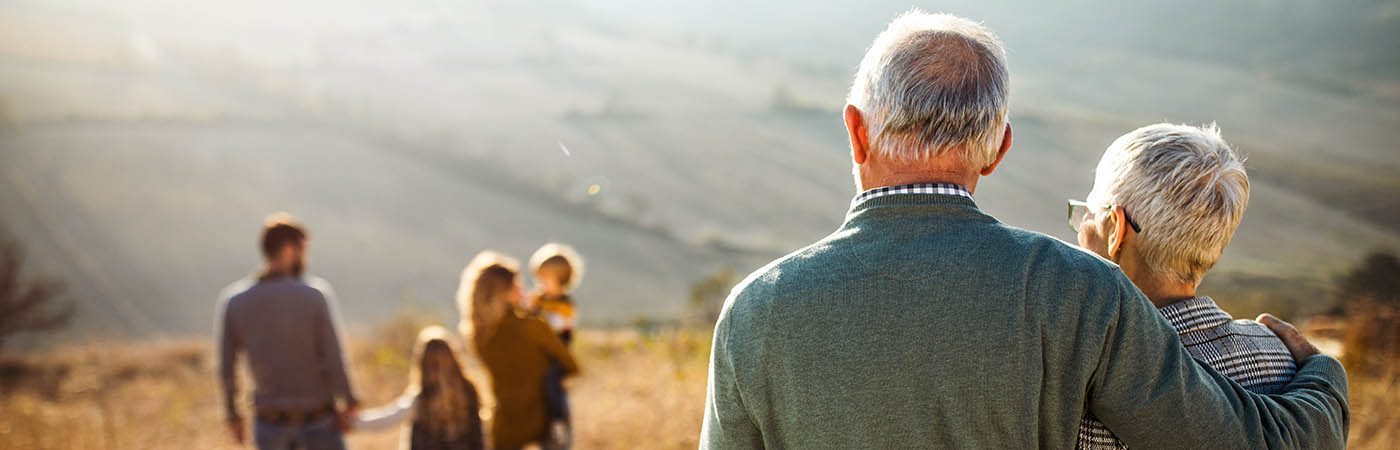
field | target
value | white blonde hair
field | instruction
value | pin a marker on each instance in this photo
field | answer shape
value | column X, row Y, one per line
column 1184, row 186
column 564, row 251
column 934, row 82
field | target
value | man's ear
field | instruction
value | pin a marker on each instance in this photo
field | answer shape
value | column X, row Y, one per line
column 1001, row 152
column 1119, row 231
column 855, row 131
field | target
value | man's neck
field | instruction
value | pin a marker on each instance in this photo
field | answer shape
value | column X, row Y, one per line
column 271, row 273
column 872, row 181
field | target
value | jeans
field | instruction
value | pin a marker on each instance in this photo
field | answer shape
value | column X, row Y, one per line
column 319, row 435
column 556, row 400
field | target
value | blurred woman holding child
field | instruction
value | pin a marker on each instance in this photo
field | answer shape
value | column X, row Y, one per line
column 517, row 351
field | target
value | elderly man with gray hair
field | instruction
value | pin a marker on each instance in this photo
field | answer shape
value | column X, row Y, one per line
column 1187, row 191
column 923, row 322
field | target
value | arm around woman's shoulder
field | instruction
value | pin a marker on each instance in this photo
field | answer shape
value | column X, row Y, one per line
column 1153, row 394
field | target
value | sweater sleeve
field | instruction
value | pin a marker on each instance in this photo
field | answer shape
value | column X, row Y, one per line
column 553, row 346
column 727, row 424
column 1152, row 394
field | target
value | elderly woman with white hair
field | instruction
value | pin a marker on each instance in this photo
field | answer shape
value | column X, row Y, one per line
column 1165, row 201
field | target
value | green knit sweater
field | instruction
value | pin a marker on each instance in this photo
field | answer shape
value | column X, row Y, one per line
column 924, row 323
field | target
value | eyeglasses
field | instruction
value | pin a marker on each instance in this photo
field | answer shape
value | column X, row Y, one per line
column 1079, row 212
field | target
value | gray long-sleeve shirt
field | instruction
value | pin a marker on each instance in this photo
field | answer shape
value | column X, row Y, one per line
column 285, row 328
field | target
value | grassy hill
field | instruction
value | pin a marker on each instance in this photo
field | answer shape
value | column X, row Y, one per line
column 162, row 394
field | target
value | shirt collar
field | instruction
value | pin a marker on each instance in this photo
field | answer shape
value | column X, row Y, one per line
column 916, row 188
column 1194, row 314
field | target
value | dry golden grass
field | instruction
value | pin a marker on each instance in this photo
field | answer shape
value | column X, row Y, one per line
column 638, row 390
column 112, row 396
column 1371, row 339
column 1375, row 410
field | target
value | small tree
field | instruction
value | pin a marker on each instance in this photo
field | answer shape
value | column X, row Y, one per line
column 1376, row 279
column 707, row 295
column 28, row 305
column 1370, row 293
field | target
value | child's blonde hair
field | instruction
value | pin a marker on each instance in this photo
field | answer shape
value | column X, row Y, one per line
column 560, row 261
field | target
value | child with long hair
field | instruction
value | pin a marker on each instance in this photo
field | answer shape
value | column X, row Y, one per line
column 443, row 405
column 516, row 351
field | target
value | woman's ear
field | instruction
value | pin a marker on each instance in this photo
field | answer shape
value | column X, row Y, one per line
column 1117, row 232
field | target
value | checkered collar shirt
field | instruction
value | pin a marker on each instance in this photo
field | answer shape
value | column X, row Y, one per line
column 1194, row 314
column 917, row 188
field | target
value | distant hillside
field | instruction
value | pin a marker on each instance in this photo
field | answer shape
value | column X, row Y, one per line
column 140, row 146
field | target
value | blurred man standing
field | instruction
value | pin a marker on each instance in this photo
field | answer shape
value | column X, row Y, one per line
column 283, row 323
column 923, row 322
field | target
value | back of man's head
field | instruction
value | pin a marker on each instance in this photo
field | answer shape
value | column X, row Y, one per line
column 931, row 83
column 280, row 230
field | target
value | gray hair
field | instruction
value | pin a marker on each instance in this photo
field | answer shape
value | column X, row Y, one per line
column 932, row 82
column 1184, row 186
